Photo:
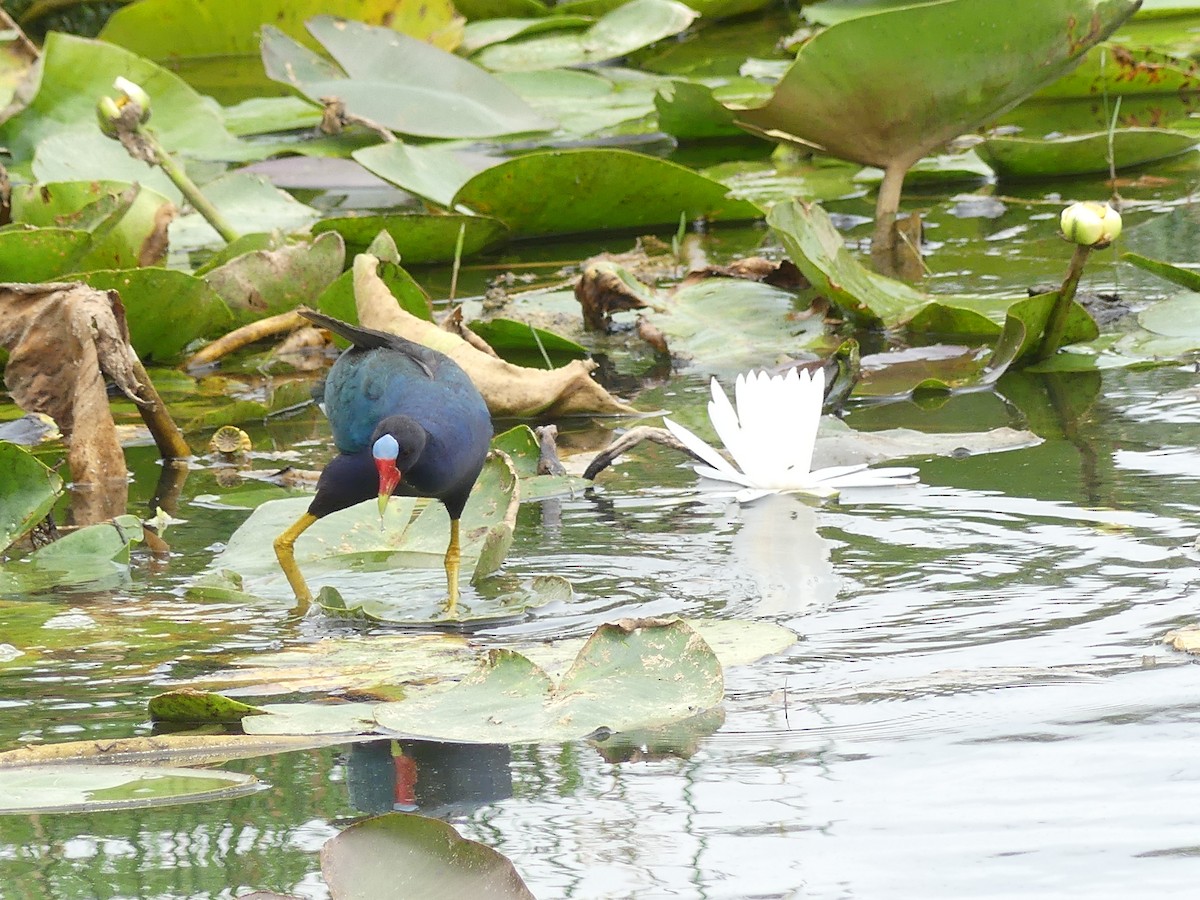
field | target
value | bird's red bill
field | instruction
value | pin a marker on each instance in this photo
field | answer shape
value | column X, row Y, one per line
column 389, row 480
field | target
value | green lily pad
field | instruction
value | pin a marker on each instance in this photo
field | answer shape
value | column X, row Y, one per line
column 28, row 490
column 1188, row 278
column 483, row 607
column 127, row 221
column 430, row 172
column 82, row 154
column 267, row 282
column 690, row 111
column 630, row 675
column 352, row 550
column 630, row 27
column 1018, row 157
column 820, row 253
column 1125, row 68
column 318, row 718
column 521, row 446
column 249, row 203
column 598, row 189
column 525, row 344
column 698, row 317
column 95, row 553
column 76, row 72
column 485, row 32
column 419, row 856
column 1177, row 317
column 585, row 103
column 338, row 301
column 41, row 254
column 174, row 30
column 192, row 707
column 402, row 83
column 849, row 91
column 419, row 238
column 88, row 788
column 196, row 310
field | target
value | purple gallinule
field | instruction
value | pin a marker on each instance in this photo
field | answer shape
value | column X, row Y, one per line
column 407, row 420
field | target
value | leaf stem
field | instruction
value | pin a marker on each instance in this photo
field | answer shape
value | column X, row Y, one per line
column 188, row 188
column 1052, row 337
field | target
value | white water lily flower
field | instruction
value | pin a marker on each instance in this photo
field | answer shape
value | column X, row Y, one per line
column 771, row 435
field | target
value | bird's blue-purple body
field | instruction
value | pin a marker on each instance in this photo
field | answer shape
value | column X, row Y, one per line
column 406, row 419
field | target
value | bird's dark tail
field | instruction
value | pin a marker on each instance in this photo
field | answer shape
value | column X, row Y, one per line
column 369, row 338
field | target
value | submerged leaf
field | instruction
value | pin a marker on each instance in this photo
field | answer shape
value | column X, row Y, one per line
column 399, row 854
column 28, row 490
column 87, row 788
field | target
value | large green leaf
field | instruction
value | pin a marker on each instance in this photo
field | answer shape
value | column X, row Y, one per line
column 95, row 553
column 76, row 72
column 366, row 559
column 1078, row 154
column 27, row 491
column 485, row 32
column 1188, row 278
column 41, row 254
column 886, row 89
column 430, row 172
column 630, row 27
column 249, row 203
column 819, row 252
column 173, row 30
column 399, row 82
column 80, row 787
column 569, row 191
column 267, row 282
column 166, row 309
column 586, row 103
column 128, row 222
column 632, row 675
column 420, row 238
column 402, row 855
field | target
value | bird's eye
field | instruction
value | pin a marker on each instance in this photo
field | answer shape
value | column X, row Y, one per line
column 387, row 447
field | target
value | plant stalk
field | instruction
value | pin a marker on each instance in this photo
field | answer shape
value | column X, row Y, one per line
column 188, row 188
column 887, row 204
column 1052, row 337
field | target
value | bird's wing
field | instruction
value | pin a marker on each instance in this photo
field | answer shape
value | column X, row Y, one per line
column 370, row 339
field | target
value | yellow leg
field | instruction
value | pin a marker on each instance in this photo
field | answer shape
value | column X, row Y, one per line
column 284, row 552
column 453, row 557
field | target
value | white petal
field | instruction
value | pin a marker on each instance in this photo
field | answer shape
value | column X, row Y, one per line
column 725, row 422
column 895, row 476
column 730, row 475
column 700, row 447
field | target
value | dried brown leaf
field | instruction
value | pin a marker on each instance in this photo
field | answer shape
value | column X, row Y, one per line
column 509, row 390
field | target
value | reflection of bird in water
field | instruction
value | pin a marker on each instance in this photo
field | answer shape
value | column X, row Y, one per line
column 779, row 547
column 407, row 420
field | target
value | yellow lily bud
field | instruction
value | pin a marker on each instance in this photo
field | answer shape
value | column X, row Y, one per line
column 132, row 93
column 107, row 115
column 1091, row 224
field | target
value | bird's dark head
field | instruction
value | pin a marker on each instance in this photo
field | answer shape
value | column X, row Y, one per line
column 396, row 446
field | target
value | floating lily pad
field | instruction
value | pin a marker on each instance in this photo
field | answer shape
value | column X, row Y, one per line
column 198, row 707
column 525, row 344
column 196, row 310
column 598, row 189
column 28, row 490
column 1125, row 68
column 419, row 238
column 95, row 553
column 521, row 446
column 698, row 320
column 365, row 559
column 585, row 103
column 417, row 857
column 849, row 92
column 485, row 32
column 41, row 254
column 1020, row 157
column 399, row 82
column 82, row 154
column 1188, row 278
column 430, row 172
column 174, row 30
column 77, row 71
column 337, row 300
column 632, row 675
column 633, row 25
column 690, row 111
column 128, row 222
column 88, row 788
column 267, row 282
column 249, row 203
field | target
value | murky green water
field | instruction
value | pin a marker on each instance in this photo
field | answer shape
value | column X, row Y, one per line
column 979, row 706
